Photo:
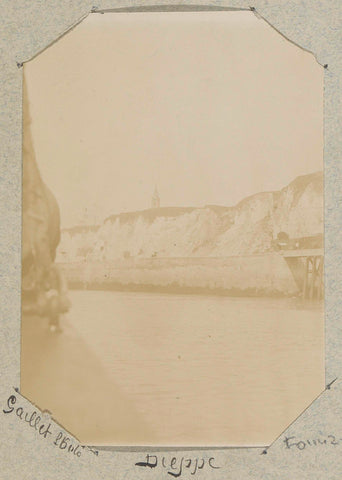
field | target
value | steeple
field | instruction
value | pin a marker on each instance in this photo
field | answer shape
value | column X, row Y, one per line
column 155, row 202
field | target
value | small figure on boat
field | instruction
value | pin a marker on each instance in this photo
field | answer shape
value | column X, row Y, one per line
column 56, row 298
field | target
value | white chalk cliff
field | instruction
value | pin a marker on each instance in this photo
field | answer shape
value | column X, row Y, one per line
column 211, row 231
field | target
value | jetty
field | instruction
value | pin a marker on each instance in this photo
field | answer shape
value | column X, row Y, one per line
column 307, row 268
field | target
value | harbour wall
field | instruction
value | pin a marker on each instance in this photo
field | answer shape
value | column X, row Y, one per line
column 250, row 275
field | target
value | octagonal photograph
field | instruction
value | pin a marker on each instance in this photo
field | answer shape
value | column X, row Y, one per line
column 172, row 232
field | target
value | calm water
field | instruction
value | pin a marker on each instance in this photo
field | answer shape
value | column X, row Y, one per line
column 152, row 369
column 204, row 369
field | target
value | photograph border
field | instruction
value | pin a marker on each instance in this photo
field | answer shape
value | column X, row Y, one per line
column 31, row 29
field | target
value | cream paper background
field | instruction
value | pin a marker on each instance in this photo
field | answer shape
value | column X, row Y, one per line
column 28, row 27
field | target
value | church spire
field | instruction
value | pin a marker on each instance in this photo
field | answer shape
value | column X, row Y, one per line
column 155, row 202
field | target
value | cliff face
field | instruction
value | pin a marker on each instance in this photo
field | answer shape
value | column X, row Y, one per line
column 212, row 231
column 40, row 217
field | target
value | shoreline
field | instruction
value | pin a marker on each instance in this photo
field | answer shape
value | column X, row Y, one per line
column 177, row 289
column 265, row 275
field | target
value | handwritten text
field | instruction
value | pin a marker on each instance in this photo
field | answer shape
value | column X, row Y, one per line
column 301, row 444
column 176, row 466
column 44, row 428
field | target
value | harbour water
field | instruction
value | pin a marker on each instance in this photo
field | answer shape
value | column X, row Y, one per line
column 159, row 369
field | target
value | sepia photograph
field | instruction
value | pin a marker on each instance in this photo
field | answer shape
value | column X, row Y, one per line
column 173, row 230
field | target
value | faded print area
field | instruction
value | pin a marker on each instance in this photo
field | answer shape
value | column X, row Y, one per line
column 178, row 264
column 261, row 246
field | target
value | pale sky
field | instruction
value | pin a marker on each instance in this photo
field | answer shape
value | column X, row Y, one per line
column 210, row 106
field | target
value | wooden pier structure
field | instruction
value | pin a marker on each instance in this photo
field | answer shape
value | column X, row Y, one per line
column 307, row 267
